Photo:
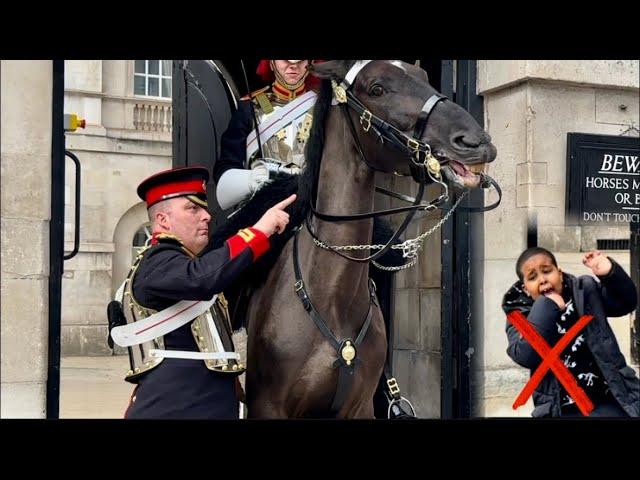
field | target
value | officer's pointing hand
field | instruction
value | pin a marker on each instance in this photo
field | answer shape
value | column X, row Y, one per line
column 275, row 219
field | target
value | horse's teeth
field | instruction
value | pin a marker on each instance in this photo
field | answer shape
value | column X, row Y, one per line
column 477, row 168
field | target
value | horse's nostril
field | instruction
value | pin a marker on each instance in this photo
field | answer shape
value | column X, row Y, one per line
column 465, row 141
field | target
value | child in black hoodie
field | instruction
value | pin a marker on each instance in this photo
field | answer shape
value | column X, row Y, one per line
column 552, row 301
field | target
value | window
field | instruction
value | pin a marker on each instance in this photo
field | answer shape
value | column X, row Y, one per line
column 152, row 78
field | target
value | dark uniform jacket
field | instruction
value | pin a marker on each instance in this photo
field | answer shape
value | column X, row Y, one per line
column 186, row 388
column 614, row 296
column 233, row 143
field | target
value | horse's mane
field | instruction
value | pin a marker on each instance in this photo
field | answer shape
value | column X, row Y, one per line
column 308, row 181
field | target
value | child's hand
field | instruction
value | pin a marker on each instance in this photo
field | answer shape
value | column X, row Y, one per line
column 597, row 262
column 556, row 298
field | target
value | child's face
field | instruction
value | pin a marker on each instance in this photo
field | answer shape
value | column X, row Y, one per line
column 541, row 276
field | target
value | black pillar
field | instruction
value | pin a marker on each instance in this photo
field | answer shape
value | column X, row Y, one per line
column 56, row 239
column 462, row 256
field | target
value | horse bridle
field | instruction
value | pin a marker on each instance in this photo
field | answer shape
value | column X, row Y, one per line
column 419, row 152
column 423, row 163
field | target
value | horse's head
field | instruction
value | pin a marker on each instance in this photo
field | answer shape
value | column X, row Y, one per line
column 396, row 106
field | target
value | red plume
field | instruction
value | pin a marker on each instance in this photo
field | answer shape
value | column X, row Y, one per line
column 264, row 71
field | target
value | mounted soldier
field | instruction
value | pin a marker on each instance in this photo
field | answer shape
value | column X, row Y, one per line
column 267, row 133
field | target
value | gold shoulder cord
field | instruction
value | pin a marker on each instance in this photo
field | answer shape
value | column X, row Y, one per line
column 263, row 101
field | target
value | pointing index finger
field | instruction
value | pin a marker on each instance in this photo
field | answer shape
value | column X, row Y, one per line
column 286, row 202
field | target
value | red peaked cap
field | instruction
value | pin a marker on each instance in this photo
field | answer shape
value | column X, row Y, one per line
column 265, row 73
column 175, row 182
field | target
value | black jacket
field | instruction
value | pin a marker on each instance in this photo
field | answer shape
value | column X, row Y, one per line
column 233, row 143
column 614, row 296
column 167, row 274
column 179, row 388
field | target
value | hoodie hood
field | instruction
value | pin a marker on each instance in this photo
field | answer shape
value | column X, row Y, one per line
column 517, row 299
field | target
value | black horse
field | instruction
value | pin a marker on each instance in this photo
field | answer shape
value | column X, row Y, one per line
column 395, row 122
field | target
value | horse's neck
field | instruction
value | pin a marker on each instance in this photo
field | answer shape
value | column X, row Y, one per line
column 346, row 186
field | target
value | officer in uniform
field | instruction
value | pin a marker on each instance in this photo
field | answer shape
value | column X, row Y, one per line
column 266, row 136
column 268, row 131
column 190, row 369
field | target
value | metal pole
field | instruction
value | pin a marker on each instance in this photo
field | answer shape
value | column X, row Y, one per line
column 447, row 314
column 56, row 240
column 469, row 246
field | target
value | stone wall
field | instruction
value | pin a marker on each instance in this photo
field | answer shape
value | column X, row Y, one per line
column 25, row 131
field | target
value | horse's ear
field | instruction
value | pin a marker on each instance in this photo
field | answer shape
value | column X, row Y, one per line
column 333, row 69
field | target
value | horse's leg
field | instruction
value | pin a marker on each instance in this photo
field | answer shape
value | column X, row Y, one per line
column 361, row 406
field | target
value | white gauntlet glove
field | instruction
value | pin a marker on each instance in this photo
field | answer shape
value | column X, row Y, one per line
column 259, row 175
column 236, row 185
column 275, row 166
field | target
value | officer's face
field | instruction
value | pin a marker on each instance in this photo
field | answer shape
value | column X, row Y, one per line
column 190, row 222
column 541, row 276
column 291, row 72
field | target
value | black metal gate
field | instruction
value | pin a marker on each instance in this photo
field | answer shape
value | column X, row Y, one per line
column 204, row 97
column 462, row 260
column 56, row 240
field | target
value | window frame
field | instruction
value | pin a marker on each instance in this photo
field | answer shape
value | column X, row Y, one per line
column 160, row 76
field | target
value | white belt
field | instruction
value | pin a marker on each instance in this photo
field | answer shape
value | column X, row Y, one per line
column 160, row 323
column 193, row 355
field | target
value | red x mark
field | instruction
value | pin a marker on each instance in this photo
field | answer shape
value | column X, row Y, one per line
column 551, row 360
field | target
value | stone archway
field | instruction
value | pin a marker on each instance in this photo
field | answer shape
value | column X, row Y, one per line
column 123, row 235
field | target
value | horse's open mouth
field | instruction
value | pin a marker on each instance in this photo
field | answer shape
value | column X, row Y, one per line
column 464, row 175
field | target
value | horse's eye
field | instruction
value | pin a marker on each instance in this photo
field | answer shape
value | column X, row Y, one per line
column 376, row 90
